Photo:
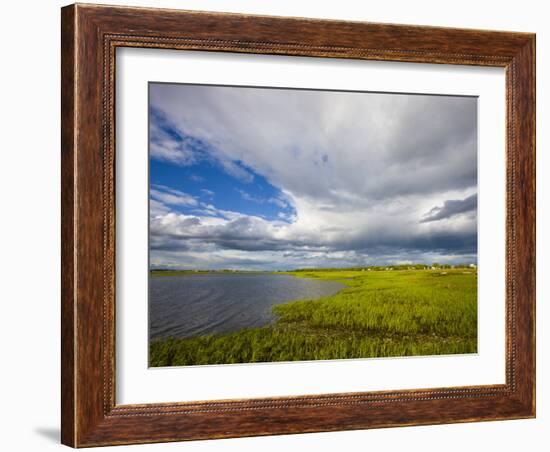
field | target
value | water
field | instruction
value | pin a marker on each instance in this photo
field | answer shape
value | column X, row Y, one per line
column 191, row 305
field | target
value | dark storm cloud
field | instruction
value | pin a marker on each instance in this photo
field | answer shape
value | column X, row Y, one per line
column 252, row 234
column 451, row 208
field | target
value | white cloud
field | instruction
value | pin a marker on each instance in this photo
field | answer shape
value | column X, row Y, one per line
column 207, row 193
column 162, row 197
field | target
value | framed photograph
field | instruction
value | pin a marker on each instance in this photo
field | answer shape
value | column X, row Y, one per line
column 281, row 225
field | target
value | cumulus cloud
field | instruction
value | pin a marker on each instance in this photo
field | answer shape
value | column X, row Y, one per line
column 362, row 173
column 170, row 196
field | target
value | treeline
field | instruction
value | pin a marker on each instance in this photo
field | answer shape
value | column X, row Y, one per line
column 390, row 267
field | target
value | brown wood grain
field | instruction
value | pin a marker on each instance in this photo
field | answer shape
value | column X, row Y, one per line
column 67, row 226
column 90, row 36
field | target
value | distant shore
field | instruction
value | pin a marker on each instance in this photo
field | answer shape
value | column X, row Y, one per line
column 203, row 272
column 171, row 272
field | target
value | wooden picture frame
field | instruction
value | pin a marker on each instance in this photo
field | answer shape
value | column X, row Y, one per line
column 90, row 36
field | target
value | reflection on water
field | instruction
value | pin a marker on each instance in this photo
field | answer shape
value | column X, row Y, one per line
column 191, row 305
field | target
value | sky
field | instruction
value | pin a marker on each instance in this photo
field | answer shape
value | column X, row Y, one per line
column 273, row 179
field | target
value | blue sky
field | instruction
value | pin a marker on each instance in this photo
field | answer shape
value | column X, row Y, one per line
column 256, row 178
column 209, row 182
